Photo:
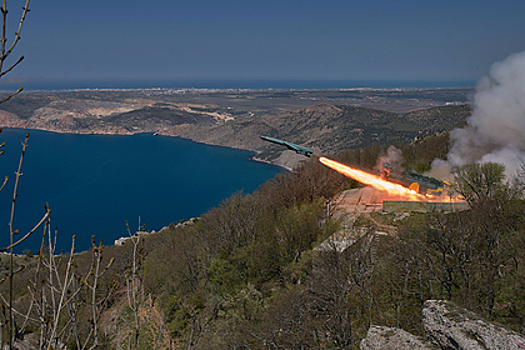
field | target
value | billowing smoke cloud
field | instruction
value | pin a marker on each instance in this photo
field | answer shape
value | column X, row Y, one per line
column 392, row 156
column 496, row 130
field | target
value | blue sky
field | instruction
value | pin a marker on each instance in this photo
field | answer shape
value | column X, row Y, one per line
column 208, row 39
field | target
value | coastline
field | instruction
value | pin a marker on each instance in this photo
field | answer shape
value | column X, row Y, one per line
column 286, row 162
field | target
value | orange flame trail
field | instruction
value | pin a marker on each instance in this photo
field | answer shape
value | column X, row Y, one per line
column 371, row 180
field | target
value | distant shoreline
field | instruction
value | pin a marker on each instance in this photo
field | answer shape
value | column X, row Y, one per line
column 230, row 118
column 226, row 84
column 252, row 158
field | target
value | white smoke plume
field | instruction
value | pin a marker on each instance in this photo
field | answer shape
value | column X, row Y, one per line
column 393, row 156
column 496, row 130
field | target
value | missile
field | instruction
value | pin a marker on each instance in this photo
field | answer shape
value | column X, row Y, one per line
column 305, row 151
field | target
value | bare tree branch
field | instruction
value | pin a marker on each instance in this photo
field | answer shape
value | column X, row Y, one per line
column 25, row 10
column 3, row 42
column 12, row 95
column 29, row 233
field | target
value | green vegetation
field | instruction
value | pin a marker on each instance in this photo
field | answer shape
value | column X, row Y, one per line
column 252, row 277
column 247, row 274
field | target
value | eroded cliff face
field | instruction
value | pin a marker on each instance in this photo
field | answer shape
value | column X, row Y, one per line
column 447, row 326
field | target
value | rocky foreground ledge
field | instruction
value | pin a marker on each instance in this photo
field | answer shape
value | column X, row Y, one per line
column 447, row 326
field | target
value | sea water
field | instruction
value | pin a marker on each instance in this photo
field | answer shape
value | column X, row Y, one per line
column 95, row 184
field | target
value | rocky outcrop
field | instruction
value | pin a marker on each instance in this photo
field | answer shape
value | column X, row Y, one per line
column 387, row 338
column 448, row 327
column 453, row 327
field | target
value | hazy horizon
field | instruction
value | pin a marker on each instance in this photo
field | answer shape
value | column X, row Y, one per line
column 228, row 83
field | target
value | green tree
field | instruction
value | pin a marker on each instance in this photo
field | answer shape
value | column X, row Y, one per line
column 481, row 183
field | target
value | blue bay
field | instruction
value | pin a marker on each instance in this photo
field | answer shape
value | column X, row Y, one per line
column 95, row 184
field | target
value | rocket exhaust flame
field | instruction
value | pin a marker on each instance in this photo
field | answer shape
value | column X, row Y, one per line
column 372, row 180
column 416, row 184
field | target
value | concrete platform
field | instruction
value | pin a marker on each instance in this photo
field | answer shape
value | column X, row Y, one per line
column 367, row 200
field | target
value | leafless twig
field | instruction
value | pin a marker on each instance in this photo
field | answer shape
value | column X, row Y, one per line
column 5, row 52
column 12, row 233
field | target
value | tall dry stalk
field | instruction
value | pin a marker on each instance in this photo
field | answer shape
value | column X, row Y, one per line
column 5, row 50
column 13, row 243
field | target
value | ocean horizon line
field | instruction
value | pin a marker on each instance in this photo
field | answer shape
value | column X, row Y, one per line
column 225, row 84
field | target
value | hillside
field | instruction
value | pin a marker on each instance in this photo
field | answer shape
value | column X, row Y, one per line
column 104, row 114
column 326, row 120
column 326, row 128
column 253, row 271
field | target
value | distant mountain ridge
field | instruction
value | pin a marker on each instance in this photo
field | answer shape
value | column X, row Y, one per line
column 230, row 120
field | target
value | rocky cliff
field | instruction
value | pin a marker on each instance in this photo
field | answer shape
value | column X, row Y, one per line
column 447, row 326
